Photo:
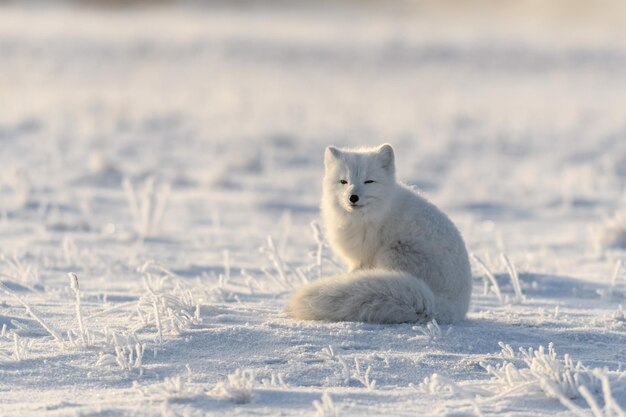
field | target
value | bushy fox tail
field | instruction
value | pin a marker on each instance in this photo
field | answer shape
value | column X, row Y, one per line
column 376, row 296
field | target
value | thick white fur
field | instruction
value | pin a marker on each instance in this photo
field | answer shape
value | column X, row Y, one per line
column 407, row 261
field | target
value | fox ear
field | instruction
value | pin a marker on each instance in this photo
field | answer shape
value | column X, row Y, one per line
column 386, row 157
column 331, row 155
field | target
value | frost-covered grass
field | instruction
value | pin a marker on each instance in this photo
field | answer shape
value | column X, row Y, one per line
column 238, row 387
column 325, row 407
column 537, row 372
column 169, row 162
column 555, row 376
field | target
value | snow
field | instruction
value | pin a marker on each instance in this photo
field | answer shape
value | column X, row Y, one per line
column 171, row 158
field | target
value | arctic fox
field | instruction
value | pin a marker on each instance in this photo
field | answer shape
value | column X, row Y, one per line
column 407, row 260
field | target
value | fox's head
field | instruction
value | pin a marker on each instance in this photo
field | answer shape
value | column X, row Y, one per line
column 359, row 180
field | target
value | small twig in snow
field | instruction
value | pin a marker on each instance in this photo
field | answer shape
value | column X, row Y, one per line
column 33, row 313
column 325, row 407
column 492, row 279
column 157, row 319
column 517, row 287
column 432, row 330
column 363, row 378
column 317, row 234
column 237, row 388
column 74, row 285
column 328, row 353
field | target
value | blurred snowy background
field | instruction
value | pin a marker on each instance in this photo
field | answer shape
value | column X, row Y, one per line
column 153, row 147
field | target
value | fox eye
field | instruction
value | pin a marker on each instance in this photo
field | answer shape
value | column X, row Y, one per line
column 368, row 182
column 343, row 182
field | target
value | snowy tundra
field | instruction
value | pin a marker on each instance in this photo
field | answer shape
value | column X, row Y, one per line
column 159, row 202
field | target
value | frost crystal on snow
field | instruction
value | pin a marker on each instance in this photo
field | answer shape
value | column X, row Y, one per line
column 544, row 370
column 275, row 380
column 328, row 353
column 237, row 388
column 326, row 407
column 432, row 330
column 147, row 206
column 166, row 304
column 515, row 281
column 363, row 377
column 490, row 278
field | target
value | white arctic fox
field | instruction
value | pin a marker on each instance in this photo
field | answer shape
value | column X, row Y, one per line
column 408, row 262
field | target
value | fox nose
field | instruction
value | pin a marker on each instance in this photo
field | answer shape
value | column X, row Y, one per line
column 354, row 198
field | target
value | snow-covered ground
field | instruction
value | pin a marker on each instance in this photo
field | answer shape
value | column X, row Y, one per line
column 172, row 160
